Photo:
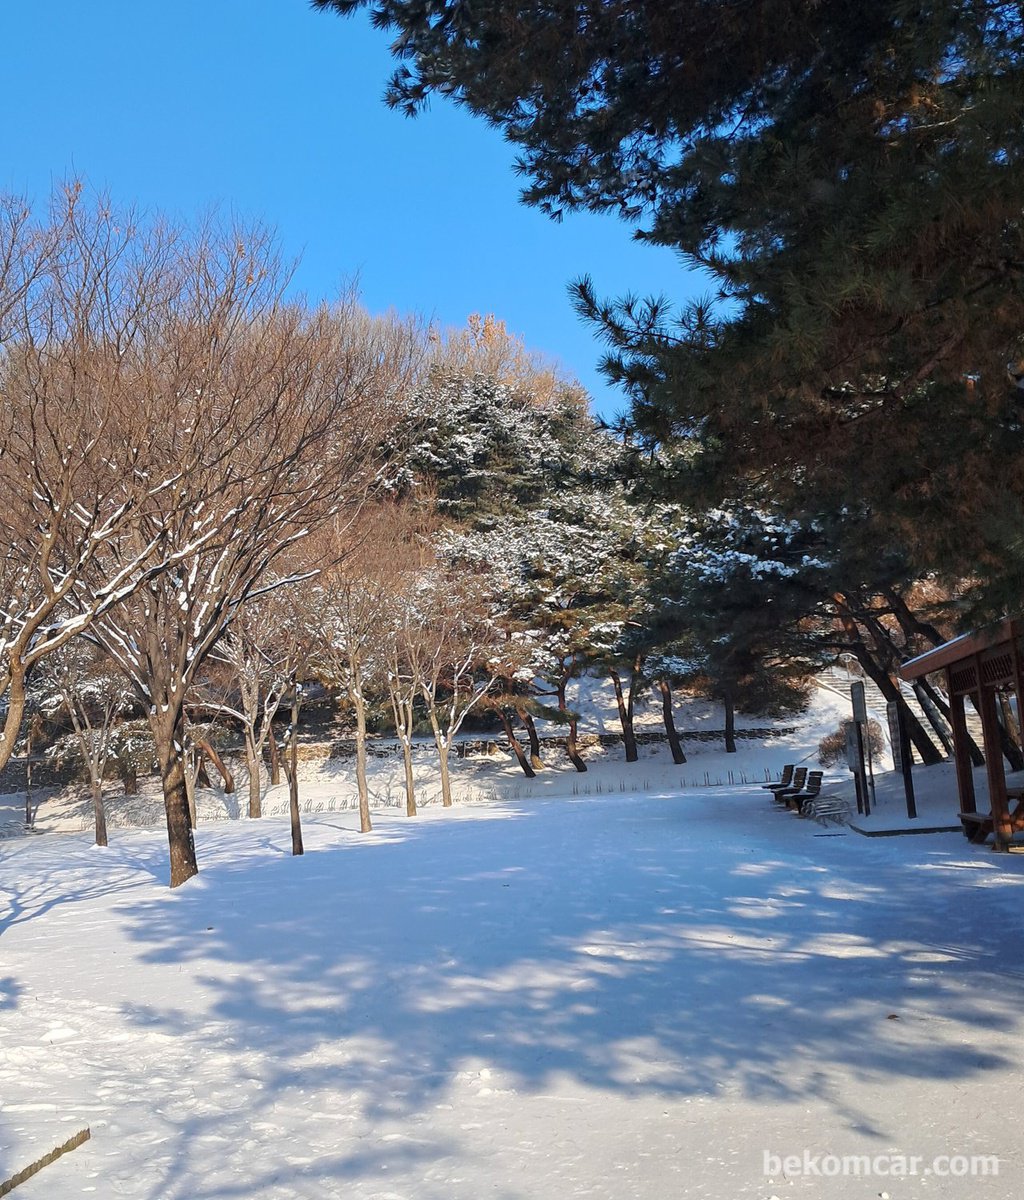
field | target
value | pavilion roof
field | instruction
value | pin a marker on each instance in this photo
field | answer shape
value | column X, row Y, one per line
column 961, row 648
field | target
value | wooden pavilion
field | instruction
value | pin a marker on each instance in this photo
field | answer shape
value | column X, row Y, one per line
column 988, row 667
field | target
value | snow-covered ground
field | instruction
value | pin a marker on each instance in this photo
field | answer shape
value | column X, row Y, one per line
column 329, row 785
column 615, row 996
column 611, row 985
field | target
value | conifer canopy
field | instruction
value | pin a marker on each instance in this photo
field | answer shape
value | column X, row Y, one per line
column 850, row 179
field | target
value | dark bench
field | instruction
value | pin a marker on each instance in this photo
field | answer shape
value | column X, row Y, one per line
column 781, row 791
column 783, row 782
column 978, row 826
column 799, row 801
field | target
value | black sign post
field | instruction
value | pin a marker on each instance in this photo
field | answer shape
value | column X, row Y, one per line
column 860, row 720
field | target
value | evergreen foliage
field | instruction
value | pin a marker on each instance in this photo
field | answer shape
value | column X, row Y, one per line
column 484, row 446
column 734, row 598
column 848, row 177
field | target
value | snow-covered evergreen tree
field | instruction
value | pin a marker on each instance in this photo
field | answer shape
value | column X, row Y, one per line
column 732, row 604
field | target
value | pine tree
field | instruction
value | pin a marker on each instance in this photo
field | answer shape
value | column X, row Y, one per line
column 731, row 604
column 848, row 179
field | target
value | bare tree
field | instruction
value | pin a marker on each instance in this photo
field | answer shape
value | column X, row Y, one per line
column 404, row 650
column 258, row 652
column 486, row 347
column 349, row 615
column 271, row 416
column 401, row 664
column 132, row 752
column 193, row 768
column 461, row 661
column 72, row 297
column 95, row 695
column 356, row 610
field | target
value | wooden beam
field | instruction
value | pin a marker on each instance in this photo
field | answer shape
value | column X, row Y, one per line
column 1018, row 689
column 961, row 751
column 994, row 761
column 960, row 649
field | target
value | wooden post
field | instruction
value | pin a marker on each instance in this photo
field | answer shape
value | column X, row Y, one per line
column 1018, row 683
column 962, row 754
column 994, row 762
column 859, row 735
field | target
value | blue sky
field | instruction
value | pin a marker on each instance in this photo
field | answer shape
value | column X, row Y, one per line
column 271, row 110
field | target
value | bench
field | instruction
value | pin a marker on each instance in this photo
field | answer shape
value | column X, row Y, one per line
column 784, row 781
column 827, row 808
column 796, row 784
column 977, row 826
column 780, row 792
column 797, row 800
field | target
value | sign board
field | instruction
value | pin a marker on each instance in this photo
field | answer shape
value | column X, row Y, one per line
column 860, row 707
column 852, row 749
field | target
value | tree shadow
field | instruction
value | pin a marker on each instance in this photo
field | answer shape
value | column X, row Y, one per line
column 436, row 967
column 73, row 878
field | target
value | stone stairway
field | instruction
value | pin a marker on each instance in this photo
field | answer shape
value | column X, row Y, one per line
column 837, row 679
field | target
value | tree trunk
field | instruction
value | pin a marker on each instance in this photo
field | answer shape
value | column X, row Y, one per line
column 516, row 745
column 15, row 697
column 254, row 767
column 531, row 732
column 293, row 777
column 571, row 746
column 202, row 774
column 443, row 748
column 625, row 719
column 99, row 812
column 923, row 744
column 275, row 758
column 674, row 744
column 935, row 719
column 362, row 787
column 925, row 747
column 730, row 724
column 1008, row 721
column 1011, row 750
column 131, row 782
column 190, row 792
column 977, row 757
column 910, row 622
column 169, row 736
column 218, row 762
column 410, row 784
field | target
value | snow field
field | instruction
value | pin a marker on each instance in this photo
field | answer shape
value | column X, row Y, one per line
column 329, row 786
column 597, row 997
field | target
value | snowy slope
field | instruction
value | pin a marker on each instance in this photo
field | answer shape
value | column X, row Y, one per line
column 330, row 784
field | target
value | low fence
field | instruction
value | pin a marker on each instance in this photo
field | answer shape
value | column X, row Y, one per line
column 46, row 776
